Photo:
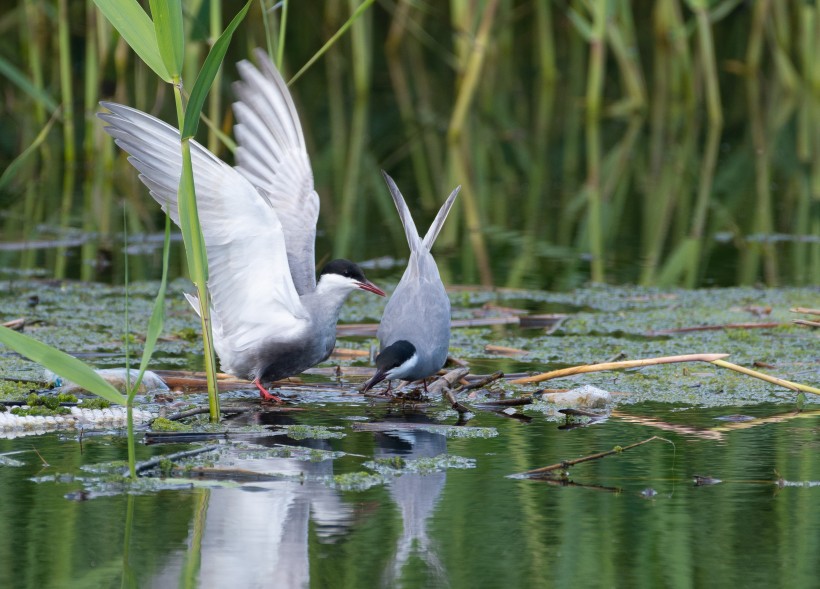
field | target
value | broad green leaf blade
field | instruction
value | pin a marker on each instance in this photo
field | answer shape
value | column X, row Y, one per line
column 136, row 28
column 61, row 363
column 21, row 81
column 208, row 73
column 189, row 220
column 167, row 15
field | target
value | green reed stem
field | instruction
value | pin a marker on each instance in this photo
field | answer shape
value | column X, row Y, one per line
column 594, row 96
column 33, row 18
column 708, row 61
column 66, row 84
column 280, row 49
column 458, row 152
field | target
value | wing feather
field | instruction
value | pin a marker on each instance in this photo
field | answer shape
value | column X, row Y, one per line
column 271, row 154
column 252, row 291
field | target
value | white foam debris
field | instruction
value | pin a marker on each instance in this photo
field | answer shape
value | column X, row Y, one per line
column 12, row 426
column 587, row 396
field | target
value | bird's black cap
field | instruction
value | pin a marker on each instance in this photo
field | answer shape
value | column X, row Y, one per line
column 392, row 356
column 344, row 268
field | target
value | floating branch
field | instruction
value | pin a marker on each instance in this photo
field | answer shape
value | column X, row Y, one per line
column 772, row 379
column 769, row 325
column 149, row 464
column 508, row 402
column 618, row 366
column 445, row 383
column 503, row 350
column 482, row 381
column 15, row 324
column 567, row 463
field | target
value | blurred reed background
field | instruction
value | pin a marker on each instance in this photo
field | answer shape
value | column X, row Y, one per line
column 658, row 142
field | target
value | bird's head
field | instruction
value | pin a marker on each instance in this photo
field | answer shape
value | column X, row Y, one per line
column 395, row 361
column 344, row 274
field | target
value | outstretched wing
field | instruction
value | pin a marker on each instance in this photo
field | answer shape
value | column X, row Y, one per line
column 250, row 284
column 271, row 154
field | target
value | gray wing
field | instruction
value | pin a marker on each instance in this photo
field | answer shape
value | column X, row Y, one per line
column 271, row 154
column 419, row 309
column 438, row 222
column 251, row 288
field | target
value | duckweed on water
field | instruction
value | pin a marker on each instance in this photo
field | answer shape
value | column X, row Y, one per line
column 161, row 424
column 396, row 465
column 313, row 432
column 357, row 481
column 15, row 390
column 95, row 403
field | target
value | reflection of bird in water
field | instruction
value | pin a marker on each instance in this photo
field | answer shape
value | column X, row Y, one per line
column 257, row 535
column 416, row 496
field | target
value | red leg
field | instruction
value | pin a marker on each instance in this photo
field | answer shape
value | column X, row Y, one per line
column 266, row 396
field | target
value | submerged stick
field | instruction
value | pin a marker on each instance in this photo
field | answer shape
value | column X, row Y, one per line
column 568, row 463
column 618, row 366
column 149, row 464
column 772, row 379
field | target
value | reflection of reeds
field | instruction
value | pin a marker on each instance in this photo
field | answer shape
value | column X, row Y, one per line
column 585, row 134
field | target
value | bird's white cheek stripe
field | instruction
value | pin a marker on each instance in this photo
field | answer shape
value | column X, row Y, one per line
column 404, row 368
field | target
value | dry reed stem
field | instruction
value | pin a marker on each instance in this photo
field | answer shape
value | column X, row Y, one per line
column 805, row 310
column 772, row 379
column 618, row 366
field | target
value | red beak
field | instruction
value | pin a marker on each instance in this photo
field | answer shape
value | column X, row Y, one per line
column 370, row 287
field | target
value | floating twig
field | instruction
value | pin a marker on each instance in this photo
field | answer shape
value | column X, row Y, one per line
column 617, row 366
column 805, row 310
column 155, row 461
column 483, row 381
column 806, row 322
column 772, row 379
column 503, row 350
column 567, row 463
column 517, row 402
column 769, row 325
column 15, row 324
column 447, row 380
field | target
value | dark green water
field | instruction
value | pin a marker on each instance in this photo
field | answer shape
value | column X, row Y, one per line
column 472, row 527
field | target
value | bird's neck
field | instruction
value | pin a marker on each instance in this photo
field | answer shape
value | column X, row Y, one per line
column 325, row 303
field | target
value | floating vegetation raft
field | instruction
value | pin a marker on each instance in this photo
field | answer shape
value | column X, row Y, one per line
column 12, row 425
column 313, row 432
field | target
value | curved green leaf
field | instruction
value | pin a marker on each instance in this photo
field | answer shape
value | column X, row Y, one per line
column 137, row 29
column 208, row 73
column 61, row 363
column 167, row 15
